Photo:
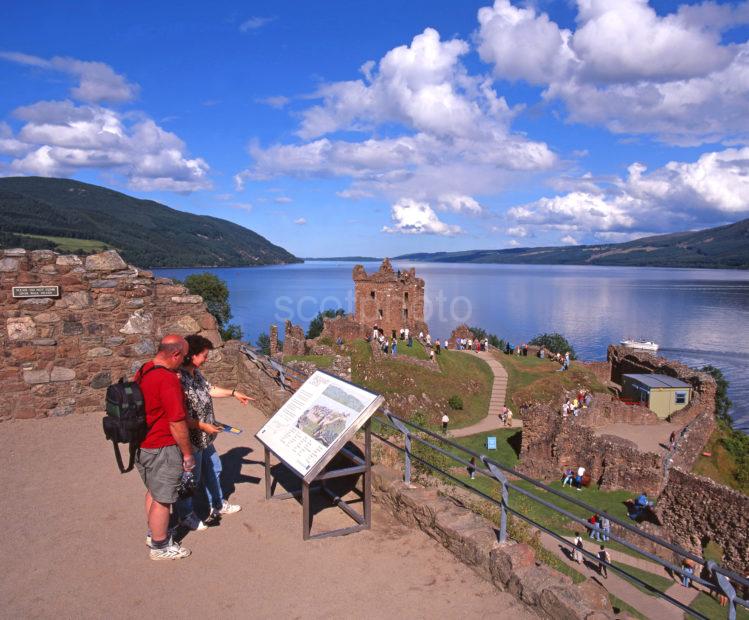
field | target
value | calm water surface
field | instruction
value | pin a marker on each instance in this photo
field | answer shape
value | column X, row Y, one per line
column 697, row 316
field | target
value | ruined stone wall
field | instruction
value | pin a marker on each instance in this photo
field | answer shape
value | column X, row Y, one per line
column 692, row 439
column 388, row 299
column 551, row 443
column 345, row 327
column 461, row 331
column 293, row 340
column 607, row 409
column 59, row 354
column 697, row 509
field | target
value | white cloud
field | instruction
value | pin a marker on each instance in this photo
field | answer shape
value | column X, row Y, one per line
column 569, row 240
column 517, row 231
column 710, row 191
column 458, row 203
column 255, row 23
column 448, row 135
column 300, row 221
column 282, row 200
column 59, row 137
column 242, row 206
column 98, row 82
column 627, row 68
column 278, row 101
column 418, row 218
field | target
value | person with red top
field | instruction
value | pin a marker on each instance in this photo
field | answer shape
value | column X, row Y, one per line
column 166, row 451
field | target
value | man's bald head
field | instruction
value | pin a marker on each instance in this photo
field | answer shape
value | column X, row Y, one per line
column 172, row 350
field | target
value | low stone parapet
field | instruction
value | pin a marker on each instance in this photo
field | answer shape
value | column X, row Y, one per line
column 511, row 566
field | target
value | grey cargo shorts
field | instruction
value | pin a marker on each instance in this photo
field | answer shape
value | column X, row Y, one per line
column 161, row 470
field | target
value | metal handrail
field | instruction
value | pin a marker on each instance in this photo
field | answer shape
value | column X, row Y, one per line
column 497, row 471
column 390, row 420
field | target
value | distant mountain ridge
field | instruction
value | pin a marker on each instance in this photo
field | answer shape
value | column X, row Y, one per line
column 145, row 232
column 724, row 247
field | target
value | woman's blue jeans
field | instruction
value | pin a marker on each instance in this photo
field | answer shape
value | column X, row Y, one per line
column 211, row 478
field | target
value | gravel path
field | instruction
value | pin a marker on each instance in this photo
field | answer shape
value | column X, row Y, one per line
column 73, row 544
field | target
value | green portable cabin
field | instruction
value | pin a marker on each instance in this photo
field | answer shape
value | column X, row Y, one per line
column 662, row 394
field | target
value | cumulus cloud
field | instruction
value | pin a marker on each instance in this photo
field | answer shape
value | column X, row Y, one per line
column 242, row 206
column 627, row 68
column 97, row 81
column 569, row 240
column 447, row 134
column 300, row 221
column 418, row 218
column 517, row 231
column 282, row 200
column 57, row 138
column 712, row 190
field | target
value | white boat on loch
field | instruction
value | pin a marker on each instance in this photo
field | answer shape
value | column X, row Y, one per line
column 644, row 345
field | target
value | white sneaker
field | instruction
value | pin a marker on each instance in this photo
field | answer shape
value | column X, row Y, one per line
column 192, row 522
column 228, row 509
column 173, row 551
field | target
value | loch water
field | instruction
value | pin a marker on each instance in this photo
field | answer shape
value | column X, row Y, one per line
column 698, row 316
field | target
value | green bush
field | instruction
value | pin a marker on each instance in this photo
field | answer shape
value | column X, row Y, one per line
column 317, row 324
column 232, row 332
column 556, row 343
column 482, row 334
column 215, row 294
column 722, row 402
column 455, row 402
column 263, row 343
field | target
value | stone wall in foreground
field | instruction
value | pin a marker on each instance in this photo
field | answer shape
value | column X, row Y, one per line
column 59, row 354
column 696, row 510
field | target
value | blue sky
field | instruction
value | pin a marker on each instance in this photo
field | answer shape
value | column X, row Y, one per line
column 346, row 128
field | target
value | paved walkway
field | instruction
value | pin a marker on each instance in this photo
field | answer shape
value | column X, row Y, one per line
column 648, row 437
column 73, row 544
column 650, row 606
column 497, row 400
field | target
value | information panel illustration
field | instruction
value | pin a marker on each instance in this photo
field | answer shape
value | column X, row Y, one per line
column 313, row 425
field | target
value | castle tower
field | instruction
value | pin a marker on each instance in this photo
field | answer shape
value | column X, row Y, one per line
column 388, row 299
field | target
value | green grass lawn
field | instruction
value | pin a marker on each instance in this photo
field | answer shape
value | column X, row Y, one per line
column 710, row 607
column 417, row 351
column 322, row 361
column 620, row 606
column 71, row 244
column 508, row 441
column 659, row 582
column 463, row 375
column 532, row 379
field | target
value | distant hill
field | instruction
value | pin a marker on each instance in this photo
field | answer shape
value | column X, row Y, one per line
column 724, row 247
column 347, row 259
column 146, row 233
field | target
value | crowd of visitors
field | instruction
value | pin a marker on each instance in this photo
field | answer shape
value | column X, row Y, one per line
column 178, row 446
column 575, row 403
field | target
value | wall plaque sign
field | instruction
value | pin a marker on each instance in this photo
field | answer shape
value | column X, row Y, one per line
column 24, row 292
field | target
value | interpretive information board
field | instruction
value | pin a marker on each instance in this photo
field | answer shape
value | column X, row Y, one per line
column 316, row 422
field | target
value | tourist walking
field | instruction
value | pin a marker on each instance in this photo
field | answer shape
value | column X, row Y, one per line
column 472, row 468
column 394, row 348
column 595, row 528
column 437, row 346
column 508, row 417
column 577, row 555
column 687, row 568
column 445, row 422
column 603, row 560
column 605, row 528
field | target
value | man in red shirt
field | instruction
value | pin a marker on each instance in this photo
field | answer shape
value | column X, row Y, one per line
column 166, row 452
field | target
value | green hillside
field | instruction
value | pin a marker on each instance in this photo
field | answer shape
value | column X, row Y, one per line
column 37, row 212
column 724, row 247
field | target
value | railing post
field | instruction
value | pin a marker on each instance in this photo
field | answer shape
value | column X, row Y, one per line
column 727, row 587
column 500, row 476
column 407, row 434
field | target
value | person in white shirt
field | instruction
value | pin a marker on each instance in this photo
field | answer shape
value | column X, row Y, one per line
column 579, row 479
column 445, row 422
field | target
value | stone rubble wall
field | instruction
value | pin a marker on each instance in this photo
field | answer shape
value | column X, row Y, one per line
column 345, row 327
column 59, row 354
column 697, row 509
column 601, row 370
column 607, row 409
column 551, row 443
column 511, row 567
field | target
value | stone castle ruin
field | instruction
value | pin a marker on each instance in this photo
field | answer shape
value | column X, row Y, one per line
column 388, row 299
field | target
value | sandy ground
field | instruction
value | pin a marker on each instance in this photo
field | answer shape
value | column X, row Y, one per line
column 73, row 544
column 648, row 437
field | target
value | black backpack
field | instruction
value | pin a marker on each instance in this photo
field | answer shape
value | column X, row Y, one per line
column 125, row 421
